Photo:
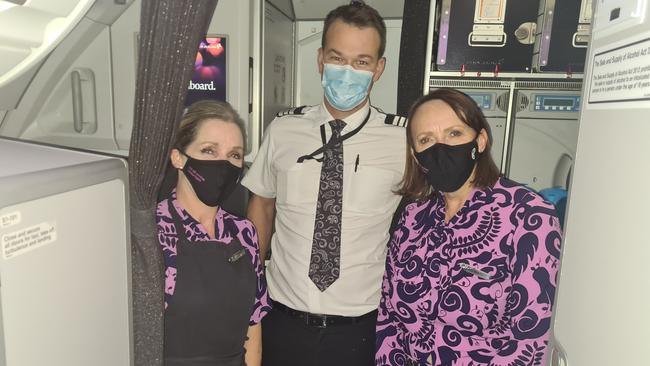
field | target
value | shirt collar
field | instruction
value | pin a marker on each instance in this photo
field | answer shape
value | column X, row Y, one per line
column 351, row 122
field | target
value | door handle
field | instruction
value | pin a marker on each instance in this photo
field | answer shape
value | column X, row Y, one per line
column 84, row 106
column 77, row 102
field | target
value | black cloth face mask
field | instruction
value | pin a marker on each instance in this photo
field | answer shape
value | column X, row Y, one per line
column 212, row 180
column 447, row 167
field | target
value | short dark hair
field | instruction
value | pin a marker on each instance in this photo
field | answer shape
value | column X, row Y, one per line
column 358, row 14
column 203, row 110
column 414, row 184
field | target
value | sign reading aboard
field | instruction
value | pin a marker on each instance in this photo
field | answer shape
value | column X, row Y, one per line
column 209, row 75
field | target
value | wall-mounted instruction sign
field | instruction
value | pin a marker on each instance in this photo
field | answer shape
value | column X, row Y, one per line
column 621, row 74
column 24, row 240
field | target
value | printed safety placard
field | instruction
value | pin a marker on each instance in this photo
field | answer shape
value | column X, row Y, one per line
column 24, row 240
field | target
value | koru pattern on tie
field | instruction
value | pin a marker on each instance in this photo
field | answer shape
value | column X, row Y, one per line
column 324, row 266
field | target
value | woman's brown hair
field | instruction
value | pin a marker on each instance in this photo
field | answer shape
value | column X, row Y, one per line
column 201, row 111
column 414, row 184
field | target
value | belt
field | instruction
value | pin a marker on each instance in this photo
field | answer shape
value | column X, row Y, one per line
column 321, row 320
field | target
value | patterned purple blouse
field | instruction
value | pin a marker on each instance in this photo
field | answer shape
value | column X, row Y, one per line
column 475, row 291
column 227, row 226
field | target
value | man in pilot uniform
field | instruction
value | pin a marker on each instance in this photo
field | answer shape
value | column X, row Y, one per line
column 326, row 174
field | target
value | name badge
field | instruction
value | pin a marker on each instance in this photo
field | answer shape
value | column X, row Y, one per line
column 475, row 271
column 238, row 254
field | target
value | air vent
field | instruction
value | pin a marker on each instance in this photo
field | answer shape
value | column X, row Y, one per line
column 564, row 85
column 502, row 101
column 455, row 83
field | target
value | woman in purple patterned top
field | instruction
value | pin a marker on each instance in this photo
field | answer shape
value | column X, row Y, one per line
column 472, row 265
column 215, row 291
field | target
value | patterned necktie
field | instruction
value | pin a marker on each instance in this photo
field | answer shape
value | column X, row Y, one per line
column 324, row 266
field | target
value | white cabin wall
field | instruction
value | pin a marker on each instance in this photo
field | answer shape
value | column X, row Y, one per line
column 124, row 45
column 278, row 68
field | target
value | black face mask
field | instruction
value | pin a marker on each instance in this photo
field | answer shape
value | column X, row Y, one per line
column 447, row 167
column 212, row 180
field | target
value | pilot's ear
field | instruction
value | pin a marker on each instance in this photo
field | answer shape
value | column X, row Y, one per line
column 381, row 65
column 320, row 61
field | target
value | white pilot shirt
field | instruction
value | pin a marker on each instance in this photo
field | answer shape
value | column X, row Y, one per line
column 368, row 207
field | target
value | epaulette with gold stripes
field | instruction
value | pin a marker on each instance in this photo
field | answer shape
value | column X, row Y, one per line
column 292, row 111
column 395, row 120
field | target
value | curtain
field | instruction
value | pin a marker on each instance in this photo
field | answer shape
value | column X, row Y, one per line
column 170, row 32
column 412, row 54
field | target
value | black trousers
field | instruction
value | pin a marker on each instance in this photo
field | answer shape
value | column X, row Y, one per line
column 288, row 341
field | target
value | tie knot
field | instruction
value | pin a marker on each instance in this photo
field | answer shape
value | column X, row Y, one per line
column 337, row 125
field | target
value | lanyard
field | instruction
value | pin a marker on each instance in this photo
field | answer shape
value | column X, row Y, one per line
column 332, row 142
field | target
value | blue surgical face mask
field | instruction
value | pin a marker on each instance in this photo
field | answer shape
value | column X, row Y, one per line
column 345, row 87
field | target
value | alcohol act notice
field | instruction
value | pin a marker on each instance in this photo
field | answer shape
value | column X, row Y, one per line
column 622, row 74
column 24, row 240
